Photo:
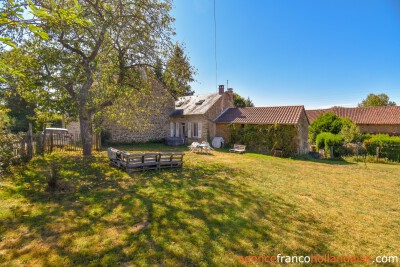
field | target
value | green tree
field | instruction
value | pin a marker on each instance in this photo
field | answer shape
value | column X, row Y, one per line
column 178, row 73
column 241, row 102
column 99, row 50
column 374, row 100
column 331, row 123
column 350, row 132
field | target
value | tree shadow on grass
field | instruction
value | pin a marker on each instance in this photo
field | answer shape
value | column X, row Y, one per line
column 202, row 215
column 336, row 161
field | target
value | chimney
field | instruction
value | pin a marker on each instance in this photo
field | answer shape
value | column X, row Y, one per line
column 230, row 94
column 221, row 89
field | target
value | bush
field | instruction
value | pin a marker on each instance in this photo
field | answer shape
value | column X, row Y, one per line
column 328, row 140
column 350, row 132
column 389, row 146
column 325, row 123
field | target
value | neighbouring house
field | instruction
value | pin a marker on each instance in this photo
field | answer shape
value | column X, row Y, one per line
column 292, row 116
column 147, row 120
column 369, row 119
column 193, row 117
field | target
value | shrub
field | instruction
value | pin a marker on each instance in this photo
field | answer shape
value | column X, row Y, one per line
column 389, row 146
column 328, row 140
column 331, row 123
column 350, row 132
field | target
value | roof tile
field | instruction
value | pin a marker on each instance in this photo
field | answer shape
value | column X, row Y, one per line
column 369, row 115
column 262, row 115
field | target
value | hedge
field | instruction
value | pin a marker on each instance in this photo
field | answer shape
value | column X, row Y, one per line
column 328, row 140
column 389, row 146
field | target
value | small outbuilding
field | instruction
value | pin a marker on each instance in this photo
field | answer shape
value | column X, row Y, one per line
column 266, row 128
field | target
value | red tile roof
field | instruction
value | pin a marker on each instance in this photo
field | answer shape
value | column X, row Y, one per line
column 262, row 115
column 370, row 115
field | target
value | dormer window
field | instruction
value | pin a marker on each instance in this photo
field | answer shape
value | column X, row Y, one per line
column 200, row 102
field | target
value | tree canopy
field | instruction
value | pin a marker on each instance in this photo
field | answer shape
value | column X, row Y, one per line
column 95, row 53
column 178, row 73
column 331, row 123
column 374, row 100
column 241, row 102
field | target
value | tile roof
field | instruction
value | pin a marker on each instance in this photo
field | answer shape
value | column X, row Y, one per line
column 189, row 105
column 370, row 115
column 262, row 115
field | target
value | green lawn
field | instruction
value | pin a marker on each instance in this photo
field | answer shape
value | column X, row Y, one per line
column 217, row 208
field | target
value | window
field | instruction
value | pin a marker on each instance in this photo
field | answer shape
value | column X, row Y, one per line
column 195, row 129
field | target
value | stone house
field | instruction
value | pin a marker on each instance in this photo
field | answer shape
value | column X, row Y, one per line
column 371, row 120
column 193, row 117
column 147, row 120
column 287, row 115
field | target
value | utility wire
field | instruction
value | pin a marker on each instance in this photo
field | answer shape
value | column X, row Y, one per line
column 215, row 48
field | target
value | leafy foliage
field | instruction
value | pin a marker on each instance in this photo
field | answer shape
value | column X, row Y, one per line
column 241, row 102
column 329, row 140
column 96, row 53
column 350, row 132
column 266, row 137
column 389, row 146
column 178, row 74
column 331, row 123
column 374, row 100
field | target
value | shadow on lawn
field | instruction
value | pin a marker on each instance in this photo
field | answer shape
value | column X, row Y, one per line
column 202, row 214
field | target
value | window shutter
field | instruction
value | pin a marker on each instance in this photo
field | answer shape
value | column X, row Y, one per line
column 199, row 130
column 177, row 130
column 189, row 129
column 172, row 128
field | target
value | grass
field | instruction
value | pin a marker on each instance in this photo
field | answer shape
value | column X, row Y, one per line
column 217, row 208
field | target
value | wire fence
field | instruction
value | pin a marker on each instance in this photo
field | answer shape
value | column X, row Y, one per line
column 358, row 150
column 25, row 145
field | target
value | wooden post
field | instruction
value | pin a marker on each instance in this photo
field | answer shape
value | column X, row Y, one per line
column 44, row 140
column 30, row 142
column 357, row 152
column 377, row 153
column 51, row 142
column 331, row 148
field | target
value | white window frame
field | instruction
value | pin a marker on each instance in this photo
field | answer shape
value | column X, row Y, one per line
column 195, row 133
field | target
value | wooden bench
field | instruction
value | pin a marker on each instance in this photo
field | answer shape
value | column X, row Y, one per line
column 238, row 148
column 145, row 161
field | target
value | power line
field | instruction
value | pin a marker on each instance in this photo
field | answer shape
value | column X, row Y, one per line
column 215, row 47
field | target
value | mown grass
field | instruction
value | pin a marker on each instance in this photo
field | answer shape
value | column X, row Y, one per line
column 217, row 208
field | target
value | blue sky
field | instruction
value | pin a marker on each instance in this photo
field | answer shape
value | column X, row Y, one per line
column 316, row 53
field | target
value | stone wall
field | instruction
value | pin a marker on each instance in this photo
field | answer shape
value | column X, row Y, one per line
column 223, row 130
column 205, row 127
column 208, row 126
column 146, row 120
column 302, row 129
column 74, row 127
column 375, row 129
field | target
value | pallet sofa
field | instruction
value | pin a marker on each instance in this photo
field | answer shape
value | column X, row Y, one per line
column 145, row 161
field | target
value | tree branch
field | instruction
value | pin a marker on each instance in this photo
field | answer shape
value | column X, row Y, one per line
column 73, row 49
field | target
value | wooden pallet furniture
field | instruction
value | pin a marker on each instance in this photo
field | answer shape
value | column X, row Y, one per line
column 144, row 161
column 238, row 148
column 171, row 160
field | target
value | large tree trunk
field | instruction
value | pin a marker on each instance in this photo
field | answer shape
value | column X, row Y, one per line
column 85, row 119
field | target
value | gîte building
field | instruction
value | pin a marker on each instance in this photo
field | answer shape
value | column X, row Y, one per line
column 202, row 117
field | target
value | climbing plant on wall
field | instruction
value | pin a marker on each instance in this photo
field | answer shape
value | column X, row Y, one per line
column 266, row 138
